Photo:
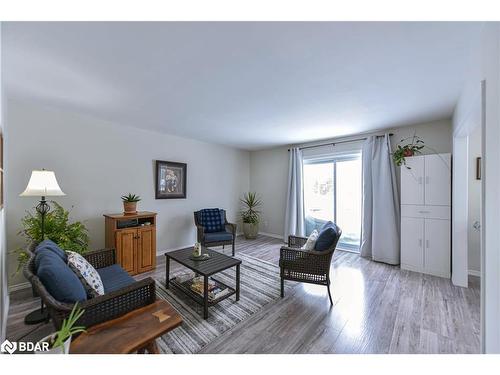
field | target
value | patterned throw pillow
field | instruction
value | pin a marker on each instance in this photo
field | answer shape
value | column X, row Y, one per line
column 311, row 241
column 212, row 220
column 86, row 273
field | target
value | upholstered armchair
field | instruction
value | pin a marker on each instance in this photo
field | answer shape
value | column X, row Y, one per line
column 213, row 229
column 309, row 266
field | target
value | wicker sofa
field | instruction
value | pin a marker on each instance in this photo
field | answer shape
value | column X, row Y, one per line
column 222, row 238
column 111, row 305
column 307, row 266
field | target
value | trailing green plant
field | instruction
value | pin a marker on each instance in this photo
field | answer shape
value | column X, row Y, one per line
column 410, row 149
column 68, row 236
column 251, row 202
column 131, row 198
column 68, row 328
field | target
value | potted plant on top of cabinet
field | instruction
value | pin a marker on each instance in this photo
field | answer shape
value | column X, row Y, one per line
column 130, row 203
column 250, row 215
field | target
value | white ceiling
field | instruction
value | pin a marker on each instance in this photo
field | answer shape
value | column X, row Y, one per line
column 248, row 85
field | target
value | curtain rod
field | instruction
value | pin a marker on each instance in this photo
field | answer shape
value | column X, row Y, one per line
column 339, row 142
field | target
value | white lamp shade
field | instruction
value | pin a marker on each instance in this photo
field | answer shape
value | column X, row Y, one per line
column 42, row 184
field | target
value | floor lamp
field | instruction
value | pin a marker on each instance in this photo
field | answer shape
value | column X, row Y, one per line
column 41, row 184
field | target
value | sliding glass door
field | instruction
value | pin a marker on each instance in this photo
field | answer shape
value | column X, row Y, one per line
column 332, row 191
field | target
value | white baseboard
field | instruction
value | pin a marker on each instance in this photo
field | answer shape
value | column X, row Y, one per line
column 474, row 273
column 20, row 286
column 279, row 237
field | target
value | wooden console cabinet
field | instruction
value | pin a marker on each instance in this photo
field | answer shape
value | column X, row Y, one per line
column 134, row 240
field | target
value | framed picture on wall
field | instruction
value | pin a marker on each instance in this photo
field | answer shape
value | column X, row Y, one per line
column 171, row 178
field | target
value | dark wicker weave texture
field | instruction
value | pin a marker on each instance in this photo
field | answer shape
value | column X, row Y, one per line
column 306, row 266
column 99, row 309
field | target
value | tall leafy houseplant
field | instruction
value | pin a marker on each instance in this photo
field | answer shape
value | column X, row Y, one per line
column 250, row 215
column 69, row 236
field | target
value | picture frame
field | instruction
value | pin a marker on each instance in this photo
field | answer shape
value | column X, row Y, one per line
column 171, row 180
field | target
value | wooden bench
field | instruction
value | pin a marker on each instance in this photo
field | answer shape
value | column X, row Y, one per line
column 136, row 331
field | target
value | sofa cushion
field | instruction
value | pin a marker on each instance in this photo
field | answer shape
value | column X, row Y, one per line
column 87, row 274
column 212, row 220
column 218, row 236
column 114, row 277
column 327, row 236
column 48, row 245
column 59, row 280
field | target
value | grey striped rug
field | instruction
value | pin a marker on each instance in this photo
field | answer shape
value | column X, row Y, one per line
column 260, row 285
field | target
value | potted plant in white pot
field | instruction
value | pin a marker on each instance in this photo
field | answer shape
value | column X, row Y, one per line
column 250, row 215
column 60, row 341
column 130, row 203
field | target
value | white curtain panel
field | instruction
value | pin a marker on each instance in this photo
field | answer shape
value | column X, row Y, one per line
column 294, row 216
column 380, row 231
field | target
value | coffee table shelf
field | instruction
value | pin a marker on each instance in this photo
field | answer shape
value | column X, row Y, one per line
column 185, row 288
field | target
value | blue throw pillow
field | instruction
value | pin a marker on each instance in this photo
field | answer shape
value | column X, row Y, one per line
column 58, row 279
column 212, row 219
column 327, row 236
column 52, row 246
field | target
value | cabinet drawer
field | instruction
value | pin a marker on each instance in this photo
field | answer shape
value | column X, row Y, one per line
column 434, row 212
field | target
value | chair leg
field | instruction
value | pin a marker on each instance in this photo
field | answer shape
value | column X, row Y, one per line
column 233, row 247
column 329, row 294
column 282, row 287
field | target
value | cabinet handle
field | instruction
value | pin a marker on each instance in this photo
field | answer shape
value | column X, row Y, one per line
column 420, row 242
column 427, row 243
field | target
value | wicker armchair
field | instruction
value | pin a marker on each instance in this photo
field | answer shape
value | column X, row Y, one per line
column 306, row 266
column 101, row 308
column 204, row 238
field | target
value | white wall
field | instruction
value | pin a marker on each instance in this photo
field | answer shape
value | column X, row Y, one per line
column 485, row 65
column 269, row 169
column 474, row 203
column 96, row 162
column 4, row 297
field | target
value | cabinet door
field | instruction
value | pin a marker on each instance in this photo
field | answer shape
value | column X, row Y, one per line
column 437, row 247
column 412, row 242
column 412, row 181
column 438, row 179
column 146, row 249
column 126, row 249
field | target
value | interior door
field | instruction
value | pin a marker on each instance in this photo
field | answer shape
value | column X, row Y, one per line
column 438, row 179
column 412, row 181
column 412, row 242
column 146, row 257
column 437, row 247
column 126, row 249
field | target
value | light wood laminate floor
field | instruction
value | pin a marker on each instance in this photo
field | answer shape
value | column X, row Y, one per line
column 377, row 309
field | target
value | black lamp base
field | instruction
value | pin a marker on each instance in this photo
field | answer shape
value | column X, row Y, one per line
column 37, row 316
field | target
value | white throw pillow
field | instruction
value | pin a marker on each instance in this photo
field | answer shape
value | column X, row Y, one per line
column 87, row 274
column 311, row 241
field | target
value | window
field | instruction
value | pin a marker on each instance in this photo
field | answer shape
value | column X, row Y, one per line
column 332, row 191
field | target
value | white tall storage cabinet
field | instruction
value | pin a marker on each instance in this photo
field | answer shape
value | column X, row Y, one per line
column 426, row 214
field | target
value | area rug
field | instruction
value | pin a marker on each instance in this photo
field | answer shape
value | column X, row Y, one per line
column 259, row 286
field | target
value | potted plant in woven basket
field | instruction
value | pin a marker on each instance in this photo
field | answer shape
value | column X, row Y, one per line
column 130, row 203
column 60, row 341
column 250, row 215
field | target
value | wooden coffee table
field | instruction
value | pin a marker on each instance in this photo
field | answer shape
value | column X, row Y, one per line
column 216, row 263
column 136, row 331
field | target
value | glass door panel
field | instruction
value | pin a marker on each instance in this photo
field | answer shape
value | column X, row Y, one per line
column 348, row 199
column 319, row 198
